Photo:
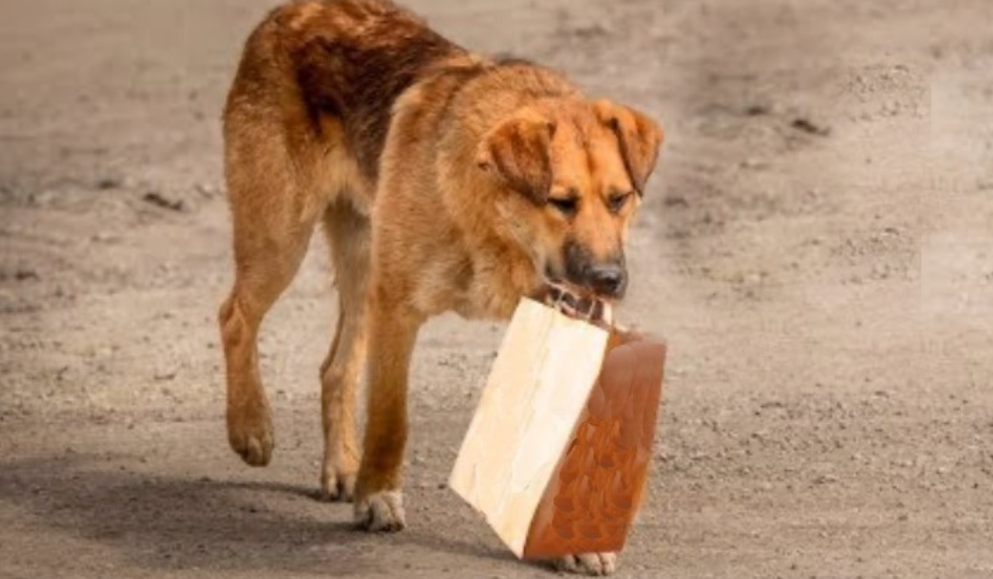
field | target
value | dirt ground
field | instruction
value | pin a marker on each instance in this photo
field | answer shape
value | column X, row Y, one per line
column 817, row 247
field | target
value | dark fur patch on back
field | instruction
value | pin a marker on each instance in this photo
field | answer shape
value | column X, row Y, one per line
column 356, row 59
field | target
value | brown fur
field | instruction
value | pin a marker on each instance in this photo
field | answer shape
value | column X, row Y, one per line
column 439, row 177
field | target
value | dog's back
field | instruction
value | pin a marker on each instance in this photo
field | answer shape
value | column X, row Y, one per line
column 338, row 62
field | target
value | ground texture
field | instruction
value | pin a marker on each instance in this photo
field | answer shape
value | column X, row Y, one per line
column 817, row 247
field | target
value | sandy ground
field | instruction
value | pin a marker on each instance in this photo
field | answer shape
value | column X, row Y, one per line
column 817, row 247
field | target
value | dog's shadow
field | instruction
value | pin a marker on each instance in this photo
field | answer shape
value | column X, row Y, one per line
column 175, row 523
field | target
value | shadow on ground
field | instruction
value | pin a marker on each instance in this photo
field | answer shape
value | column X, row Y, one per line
column 176, row 523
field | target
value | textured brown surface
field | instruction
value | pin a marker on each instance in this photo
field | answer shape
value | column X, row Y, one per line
column 592, row 498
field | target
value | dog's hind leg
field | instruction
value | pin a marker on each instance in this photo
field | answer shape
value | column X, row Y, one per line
column 273, row 219
column 348, row 233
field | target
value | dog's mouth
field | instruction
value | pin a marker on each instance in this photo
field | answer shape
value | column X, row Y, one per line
column 577, row 302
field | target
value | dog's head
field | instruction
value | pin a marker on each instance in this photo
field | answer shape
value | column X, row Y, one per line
column 573, row 174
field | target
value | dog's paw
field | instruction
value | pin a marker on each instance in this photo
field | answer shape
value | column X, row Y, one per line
column 337, row 486
column 381, row 512
column 596, row 564
column 250, row 435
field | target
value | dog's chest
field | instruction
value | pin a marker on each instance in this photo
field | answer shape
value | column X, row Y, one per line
column 474, row 289
column 495, row 290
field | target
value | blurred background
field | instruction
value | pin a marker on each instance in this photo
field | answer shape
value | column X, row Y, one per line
column 817, row 247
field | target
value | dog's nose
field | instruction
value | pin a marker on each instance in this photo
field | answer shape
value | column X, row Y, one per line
column 609, row 281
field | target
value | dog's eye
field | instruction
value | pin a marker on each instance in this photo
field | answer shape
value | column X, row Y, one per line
column 566, row 205
column 617, row 202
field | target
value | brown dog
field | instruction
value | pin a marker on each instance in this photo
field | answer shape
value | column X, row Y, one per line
column 444, row 180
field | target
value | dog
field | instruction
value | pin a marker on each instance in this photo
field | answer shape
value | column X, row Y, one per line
column 444, row 181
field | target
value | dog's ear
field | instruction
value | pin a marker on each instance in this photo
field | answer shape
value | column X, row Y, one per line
column 518, row 151
column 638, row 138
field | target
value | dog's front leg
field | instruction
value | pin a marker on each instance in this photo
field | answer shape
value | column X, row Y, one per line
column 595, row 564
column 378, row 500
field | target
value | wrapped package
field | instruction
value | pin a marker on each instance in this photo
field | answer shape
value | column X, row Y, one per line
column 556, row 457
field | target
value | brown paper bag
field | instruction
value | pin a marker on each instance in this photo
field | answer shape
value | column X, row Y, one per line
column 557, row 453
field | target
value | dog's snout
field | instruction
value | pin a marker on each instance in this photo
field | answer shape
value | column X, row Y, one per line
column 606, row 277
column 609, row 280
